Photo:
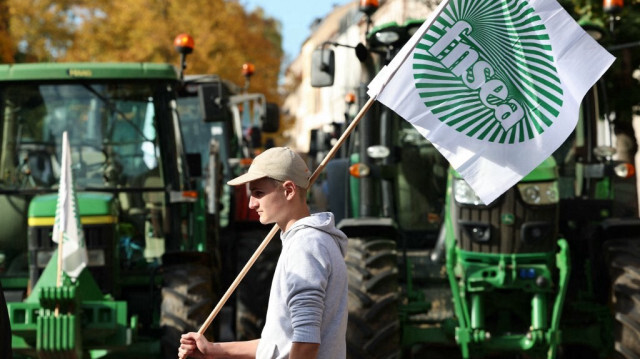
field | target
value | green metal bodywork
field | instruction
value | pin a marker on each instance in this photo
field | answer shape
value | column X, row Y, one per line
column 74, row 320
column 546, row 171
column 86, row 70
column 475, row 275
column 67, row 320
column 89, row 204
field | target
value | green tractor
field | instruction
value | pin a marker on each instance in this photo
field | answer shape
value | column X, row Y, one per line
column 225, row 124
column 149, row 275
column 550, row 268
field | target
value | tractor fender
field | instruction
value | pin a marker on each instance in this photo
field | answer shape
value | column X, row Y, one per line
column 5, row 328
column 369, row 227
column 177, row 258
column 613, row 228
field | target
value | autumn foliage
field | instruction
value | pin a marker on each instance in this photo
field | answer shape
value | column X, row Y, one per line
column 226, row 35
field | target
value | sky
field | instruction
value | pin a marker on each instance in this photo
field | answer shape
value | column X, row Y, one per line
column 295, row 17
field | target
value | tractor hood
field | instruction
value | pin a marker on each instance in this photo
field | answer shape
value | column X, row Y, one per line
column 546, row 171
column 90, row 204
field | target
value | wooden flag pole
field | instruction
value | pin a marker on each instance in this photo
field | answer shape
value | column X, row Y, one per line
column 275, row 228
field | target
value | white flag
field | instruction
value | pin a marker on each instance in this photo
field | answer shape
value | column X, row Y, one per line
column 495, row 85
column 67, row 221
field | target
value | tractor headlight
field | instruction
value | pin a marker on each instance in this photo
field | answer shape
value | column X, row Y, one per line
column 378, row 152
column 464, row 194
column 540, row 193
column 387, row 37
column 96, row 258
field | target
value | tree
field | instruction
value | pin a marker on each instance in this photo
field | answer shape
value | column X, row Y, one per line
column 226, row 35
column 41, row 29
column 6, row 43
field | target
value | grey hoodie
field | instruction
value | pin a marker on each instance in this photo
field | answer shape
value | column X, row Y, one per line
column 308, row 299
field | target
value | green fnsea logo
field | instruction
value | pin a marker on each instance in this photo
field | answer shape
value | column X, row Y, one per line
column 486, row 69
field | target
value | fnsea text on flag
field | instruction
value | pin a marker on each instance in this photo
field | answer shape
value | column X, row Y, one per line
column 495, row 85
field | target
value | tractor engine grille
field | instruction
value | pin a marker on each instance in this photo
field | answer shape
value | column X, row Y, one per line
column 508, row 225
column 99, row 239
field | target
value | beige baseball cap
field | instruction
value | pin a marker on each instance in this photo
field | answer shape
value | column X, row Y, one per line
column 279, row 163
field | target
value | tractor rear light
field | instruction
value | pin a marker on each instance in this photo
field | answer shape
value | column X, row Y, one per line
column 183, row 196
column 359, row 170
column 190, row 194
column 464, row 194
column 625, row 170
column 541, row 193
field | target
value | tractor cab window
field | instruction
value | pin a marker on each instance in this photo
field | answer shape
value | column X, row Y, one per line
column 195, row 131
column 110, row 126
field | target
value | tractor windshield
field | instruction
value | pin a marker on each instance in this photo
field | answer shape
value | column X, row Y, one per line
column 110, row 127
column 194, row 129
column 421, row 182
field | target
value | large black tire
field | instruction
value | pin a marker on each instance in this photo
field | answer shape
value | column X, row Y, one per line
column 5, row 328
column 624, row 264
column 187, row 300
column 373, row 329
column 252, row 295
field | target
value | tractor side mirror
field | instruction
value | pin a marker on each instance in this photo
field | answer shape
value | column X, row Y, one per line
column 213, row 103
column 323, row 64
column 362, row 52
column 271, row 122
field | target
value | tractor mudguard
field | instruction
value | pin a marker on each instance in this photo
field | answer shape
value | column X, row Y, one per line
column 368, row 227
column 5, row 328
column 613, row 228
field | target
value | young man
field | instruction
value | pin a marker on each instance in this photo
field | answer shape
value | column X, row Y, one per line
column 307, row 312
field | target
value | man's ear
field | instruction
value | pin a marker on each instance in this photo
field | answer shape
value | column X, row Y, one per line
column 289, row 189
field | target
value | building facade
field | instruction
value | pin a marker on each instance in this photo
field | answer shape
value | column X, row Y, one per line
column 318, row 108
